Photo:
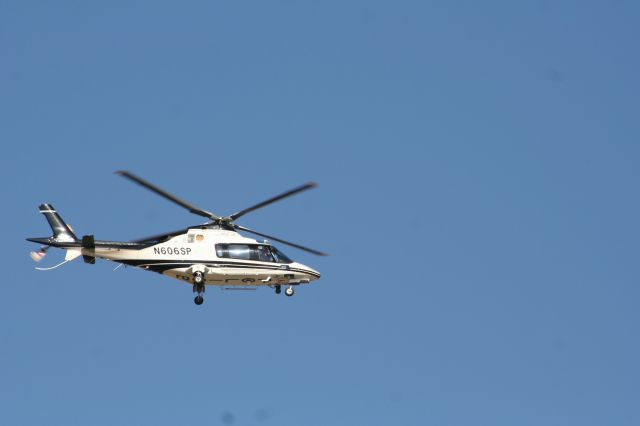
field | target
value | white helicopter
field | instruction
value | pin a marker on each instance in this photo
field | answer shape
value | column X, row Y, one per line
column 213, row 253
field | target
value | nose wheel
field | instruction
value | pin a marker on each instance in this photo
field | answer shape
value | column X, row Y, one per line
column 198, row 287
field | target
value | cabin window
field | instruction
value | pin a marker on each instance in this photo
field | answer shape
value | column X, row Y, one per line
column 258, row 252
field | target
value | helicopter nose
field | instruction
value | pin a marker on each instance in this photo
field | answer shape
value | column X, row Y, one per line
column 310, row 272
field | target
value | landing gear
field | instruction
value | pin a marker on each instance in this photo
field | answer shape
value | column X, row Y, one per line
column 198, row 287
column 288, row 291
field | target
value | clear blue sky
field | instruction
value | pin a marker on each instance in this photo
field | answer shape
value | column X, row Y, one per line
column 478, row 191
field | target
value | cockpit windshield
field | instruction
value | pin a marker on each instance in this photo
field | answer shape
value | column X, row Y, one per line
column 280, row 256
column 258, row 252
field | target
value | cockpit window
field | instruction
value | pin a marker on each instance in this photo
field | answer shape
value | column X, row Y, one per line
column 259, row 252
column 280, row 256
column 263, row 254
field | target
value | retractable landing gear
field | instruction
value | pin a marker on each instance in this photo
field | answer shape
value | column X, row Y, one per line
column 198, row 287
column 278, row 289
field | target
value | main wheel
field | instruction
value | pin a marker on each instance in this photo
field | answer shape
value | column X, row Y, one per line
column 198, row 300
column 278, row 289
column 289, row 291
column 198, row 277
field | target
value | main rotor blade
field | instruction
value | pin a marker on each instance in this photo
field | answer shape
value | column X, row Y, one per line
column 273, row 200
column 298, row 246
column 162, row 236
column 165, row 194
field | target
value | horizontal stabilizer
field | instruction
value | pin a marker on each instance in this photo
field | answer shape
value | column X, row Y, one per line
column 45, row 241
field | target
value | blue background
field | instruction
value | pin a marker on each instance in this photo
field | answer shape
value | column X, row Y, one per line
column 478, row 171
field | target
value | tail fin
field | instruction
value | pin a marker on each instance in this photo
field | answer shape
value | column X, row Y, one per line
column 61, row 231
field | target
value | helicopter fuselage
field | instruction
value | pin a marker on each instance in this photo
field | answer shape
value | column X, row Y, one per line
column 203, row 250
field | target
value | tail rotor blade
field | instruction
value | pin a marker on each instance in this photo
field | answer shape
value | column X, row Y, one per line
column 37, row 256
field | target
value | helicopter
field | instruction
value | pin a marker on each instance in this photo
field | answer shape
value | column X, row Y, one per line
column 213, row 253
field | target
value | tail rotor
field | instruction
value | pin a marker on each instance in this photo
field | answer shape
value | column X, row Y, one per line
column 37, row 256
